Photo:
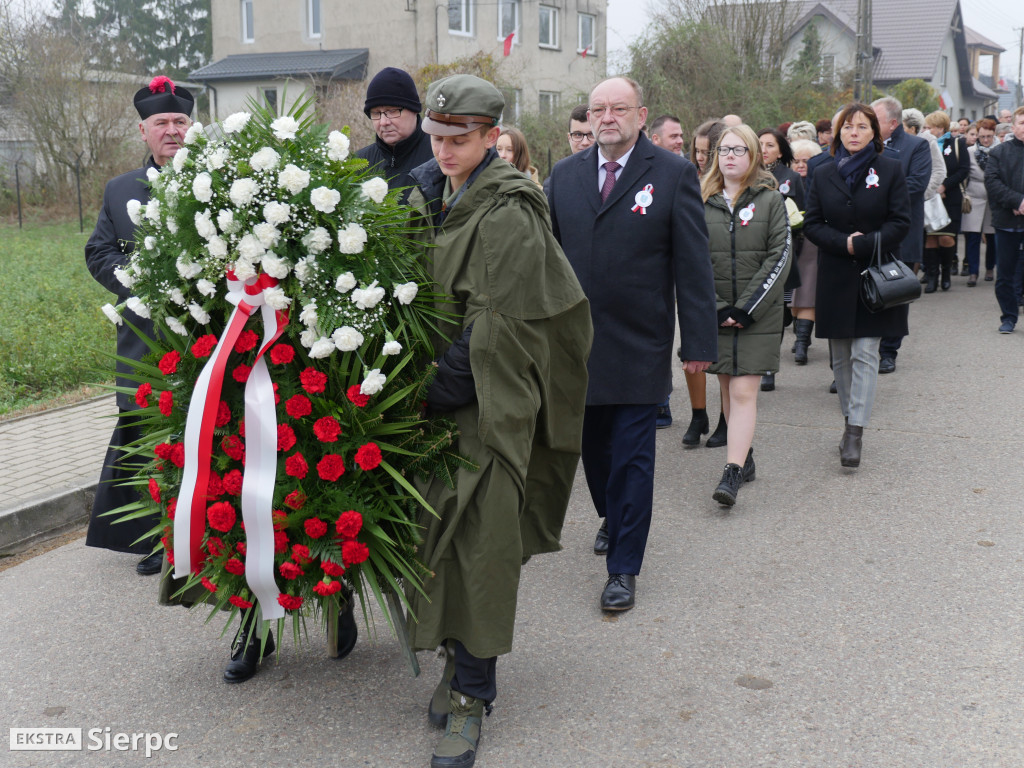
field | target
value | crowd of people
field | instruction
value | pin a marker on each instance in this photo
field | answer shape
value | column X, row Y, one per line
column 571, row 291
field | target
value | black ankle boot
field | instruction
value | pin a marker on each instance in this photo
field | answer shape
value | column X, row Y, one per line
column 348, row 632
column 699, row 425
column 720, row 436
column 729, row 485
column 850, row 445
column 749, row 470
column 947, row 260
column 245, row 656
column 803, row 329
column 931, row 270
column 768, row 382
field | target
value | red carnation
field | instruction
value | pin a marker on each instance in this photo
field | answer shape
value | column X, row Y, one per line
column 178, row 455
column 154, row 490
column 295, row 500
column 354, row 552
column 166, row 402
column 296, row 466
column 298, row 406
column 204, row 346
column 289, row 602
column 368, row 457
column 282, row 354
column 233, row 446
column 208, row 584
column 241, row 373
column 326, row 588
column 330, row 467
column 215, row 546
column 235, row 566
column 223, row 415
column 238, row 602
column 170, row 556
column 142, row 394
column 233, row 482
column 349, row 524
column 285, row 437
column 222, row 516
column 166, row 542
column 277, row 395
column 240, row 548
column 315, row 527
column 313, row 381
column 246, row 340
column 331, row 568
column 169, row 363
column 280, row 542
column 280, row 518
column 300, row 554
column 241, row 427
column 290, row 570
column 214, row 487
column 172, row 507
column 356, row 397
column 327, row 429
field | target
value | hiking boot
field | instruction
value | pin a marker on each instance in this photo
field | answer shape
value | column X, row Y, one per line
column 437, row 712
column 458, row 747
column 729, row 486
column 749, row 470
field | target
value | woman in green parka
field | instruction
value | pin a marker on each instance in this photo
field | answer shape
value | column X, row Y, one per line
column 750, row 243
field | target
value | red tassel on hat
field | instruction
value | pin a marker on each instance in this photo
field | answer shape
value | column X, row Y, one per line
column 159, row 84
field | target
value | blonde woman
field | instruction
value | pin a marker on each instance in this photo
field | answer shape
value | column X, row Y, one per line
column 512, row 149
column 749, row 240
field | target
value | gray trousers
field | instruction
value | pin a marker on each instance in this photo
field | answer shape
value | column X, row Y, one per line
column 855, row 366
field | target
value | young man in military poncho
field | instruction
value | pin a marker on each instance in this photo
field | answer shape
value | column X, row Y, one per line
column 514, row 379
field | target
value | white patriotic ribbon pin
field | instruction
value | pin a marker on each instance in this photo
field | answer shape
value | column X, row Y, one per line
column 643, row 200
column 872, row 179
column 747, row 214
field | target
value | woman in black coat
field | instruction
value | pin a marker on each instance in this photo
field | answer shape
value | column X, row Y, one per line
column 940, row 247
column 855, row 196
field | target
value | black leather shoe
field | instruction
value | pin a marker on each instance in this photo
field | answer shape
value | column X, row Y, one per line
column 601, row 540
column 886, row 365
column 348, row 632
column 832, row 388
column 720, row 436
column 850, row 446
column 245, row 657
column 150, row 564
column 619, row 592
column 699, row 425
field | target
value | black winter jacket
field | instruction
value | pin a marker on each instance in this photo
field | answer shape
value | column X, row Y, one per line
column 395, row 163
column 1004, row 182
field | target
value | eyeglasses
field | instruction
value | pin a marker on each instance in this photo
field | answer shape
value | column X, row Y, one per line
column 390, row 114
column 738, row 151
column 619, row 110
column 578, row 136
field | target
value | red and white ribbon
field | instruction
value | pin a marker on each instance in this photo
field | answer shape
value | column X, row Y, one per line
column 643, row 200
column 260, row 473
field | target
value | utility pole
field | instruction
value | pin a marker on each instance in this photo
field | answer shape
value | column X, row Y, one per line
column 1020, row 70
column 863, row 76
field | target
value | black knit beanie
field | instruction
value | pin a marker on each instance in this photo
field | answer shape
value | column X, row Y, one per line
column 392, row 87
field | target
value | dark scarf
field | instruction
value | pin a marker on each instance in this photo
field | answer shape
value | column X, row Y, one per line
column 850, row 167
column 981, row 155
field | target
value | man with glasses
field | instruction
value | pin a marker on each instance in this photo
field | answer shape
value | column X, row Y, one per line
column 580, row 136
column 630, row 219
column 393, row 106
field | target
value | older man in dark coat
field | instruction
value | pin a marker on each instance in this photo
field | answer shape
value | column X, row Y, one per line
column 629, row 217
column 164, row 111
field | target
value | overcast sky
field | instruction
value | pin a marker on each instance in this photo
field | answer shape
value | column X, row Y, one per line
column 998, row 20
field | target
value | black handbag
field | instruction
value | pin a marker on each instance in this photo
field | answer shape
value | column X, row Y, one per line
column 887, row 283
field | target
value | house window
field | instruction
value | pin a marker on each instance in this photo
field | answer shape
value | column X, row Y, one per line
column 513, row 98
column 314, row 23
column 269, row 97
column 548, row 102
column 248, row 28
column 587, row 26
column 548, row 27
column 828, row 69
column 460, row 21
column 508, row 18
column 974, row 118
column 943, row 64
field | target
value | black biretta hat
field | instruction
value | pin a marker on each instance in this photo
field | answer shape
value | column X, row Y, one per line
column 162, row 95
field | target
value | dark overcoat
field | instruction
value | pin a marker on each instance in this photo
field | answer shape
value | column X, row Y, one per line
column 834, row 211
column 958, row 168
column 641, row 267
column 915, row 159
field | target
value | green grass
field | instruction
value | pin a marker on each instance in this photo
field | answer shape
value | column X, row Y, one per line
column 53, row 335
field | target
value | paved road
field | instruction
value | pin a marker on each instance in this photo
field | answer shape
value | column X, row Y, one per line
column 832, row 618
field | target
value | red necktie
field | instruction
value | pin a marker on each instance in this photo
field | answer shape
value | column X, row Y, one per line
column 609, row 179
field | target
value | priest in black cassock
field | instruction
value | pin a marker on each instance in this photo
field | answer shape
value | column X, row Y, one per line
column 164, row 113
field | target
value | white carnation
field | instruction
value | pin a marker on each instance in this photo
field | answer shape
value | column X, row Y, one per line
column 206, row 288
column 373, row 383
column 244, row 270
column 175, row 325
column 351, row 239
column 187, row 269
column 277, row 213
column 217, row 247
column 406, row 292
column 180, row 158
column 376, row 189
column 308, row 315
column 111, row 313
column 264, row 160
column 218, row 158
column 124, row 278
column 242, row 191
column 267, row 234
column 153, row 211
column 308, row 338
column 293, row 178
column 322, row 347
column 135, row 304
column 134, row 208
column 176, row 296
column 285, row 127
column 276, row 298
column 172, row 226
column 152, row 174
column 204, row 226
column 193, row 132
column 236, row 122
column 391, row 348
column 202, row 187
column 226, row 222
column 149, row 243
column 250, row 248
column 345, row 282
column 201, row 315
column 275, row 266
column 347, row 339
column 317, row 241
column 325, row 199
column 337, row 146
column 304, row 268
column 368, row 297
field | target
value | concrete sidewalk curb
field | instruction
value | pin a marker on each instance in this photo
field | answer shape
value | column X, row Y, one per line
column 45, row 518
